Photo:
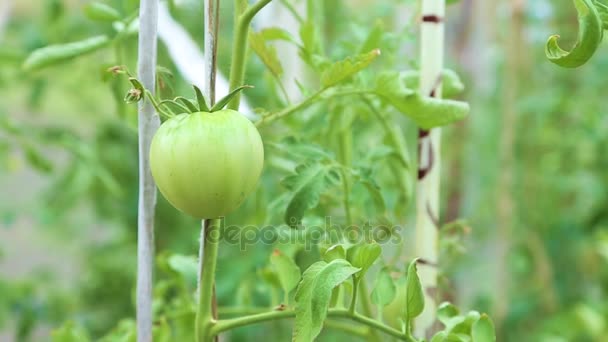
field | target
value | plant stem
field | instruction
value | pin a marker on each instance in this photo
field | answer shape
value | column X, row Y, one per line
column 208, row 257
column 429, row 143
column 239, row 48
column 224, row 325
column 148, row 123
column 353, row 301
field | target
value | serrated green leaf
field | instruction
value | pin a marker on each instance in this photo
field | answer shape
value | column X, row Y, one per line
column 313, row 296
column 414, row 302
column 590, row 34
column 365, row 256
column 185, row 266
column 483, row 330
column 54, row 54
column 451, row 84
column 287, row 270
column 426, row 112
column 384, row 288
column 101, row 12
column 340, row 71
column 266, row 53
column 307, row 184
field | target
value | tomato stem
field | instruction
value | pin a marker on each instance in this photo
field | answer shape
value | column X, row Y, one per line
column 239, row 48
column 206, row 274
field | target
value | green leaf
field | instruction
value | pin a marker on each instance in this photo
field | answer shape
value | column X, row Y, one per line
column 37, row 160
column 340, row 71
column 185, row 266
column 384, row 288
column 224, row 100
column 53, row 54
column 267, row 53
column 101, row 12
column 334, row 252
column 373, row 189
column 445, row 312
column 426, row 112
column 313, row 296
column 414, row 302
column 374, row 38
column 70, row 332
column 483, row 330
column 365, row 256
column 202, row 103
column 451, row 84
column 307, row 184
column 287, row 270
column 276, row 33
column 590, row 33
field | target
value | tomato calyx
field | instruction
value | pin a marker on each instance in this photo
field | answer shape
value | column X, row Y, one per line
column 166, row 107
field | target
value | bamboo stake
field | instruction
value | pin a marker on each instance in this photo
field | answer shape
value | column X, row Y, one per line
column 148, row 123
column 429, row 143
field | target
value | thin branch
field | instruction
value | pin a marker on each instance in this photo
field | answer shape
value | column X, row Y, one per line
column 148, row 123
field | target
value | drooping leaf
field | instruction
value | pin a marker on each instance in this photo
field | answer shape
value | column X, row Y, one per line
column 340, row 71
column 188, row 103
column 54, row 54
column 414, row 303
column 101, row 12
column 287, row 270
column 307, row 184
column 483, row 330
column 384, row 288
column 589, row 38
column 451, row 84
column 313, row 296
column 426, row 112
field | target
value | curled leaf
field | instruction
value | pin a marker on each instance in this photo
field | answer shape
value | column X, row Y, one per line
column 53, row 54
column 589, row 38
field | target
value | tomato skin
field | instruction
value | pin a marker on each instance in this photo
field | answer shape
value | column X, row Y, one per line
column 206, row 164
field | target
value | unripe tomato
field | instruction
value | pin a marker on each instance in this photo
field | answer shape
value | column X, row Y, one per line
column 205, row 164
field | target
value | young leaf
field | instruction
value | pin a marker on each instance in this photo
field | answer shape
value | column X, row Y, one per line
column 307, row 184
column 384, row 288
column 334, row 252
column 414, row 302
column 483, row 330
column 101, row 12
column 313, row 296
column 590, row 35
column 287, row 270
column 54, row 54
column 365, row 256
column 202, row 103
column 346, row 68
column 224, row 100
column 267, row 53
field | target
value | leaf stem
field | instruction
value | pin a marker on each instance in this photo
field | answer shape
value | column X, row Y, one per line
column 224, row 325
column 239, row 48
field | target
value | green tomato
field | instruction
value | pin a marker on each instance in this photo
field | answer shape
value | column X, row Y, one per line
column 205, row 164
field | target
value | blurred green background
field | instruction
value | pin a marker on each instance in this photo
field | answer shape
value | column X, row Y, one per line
column 527, row 171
